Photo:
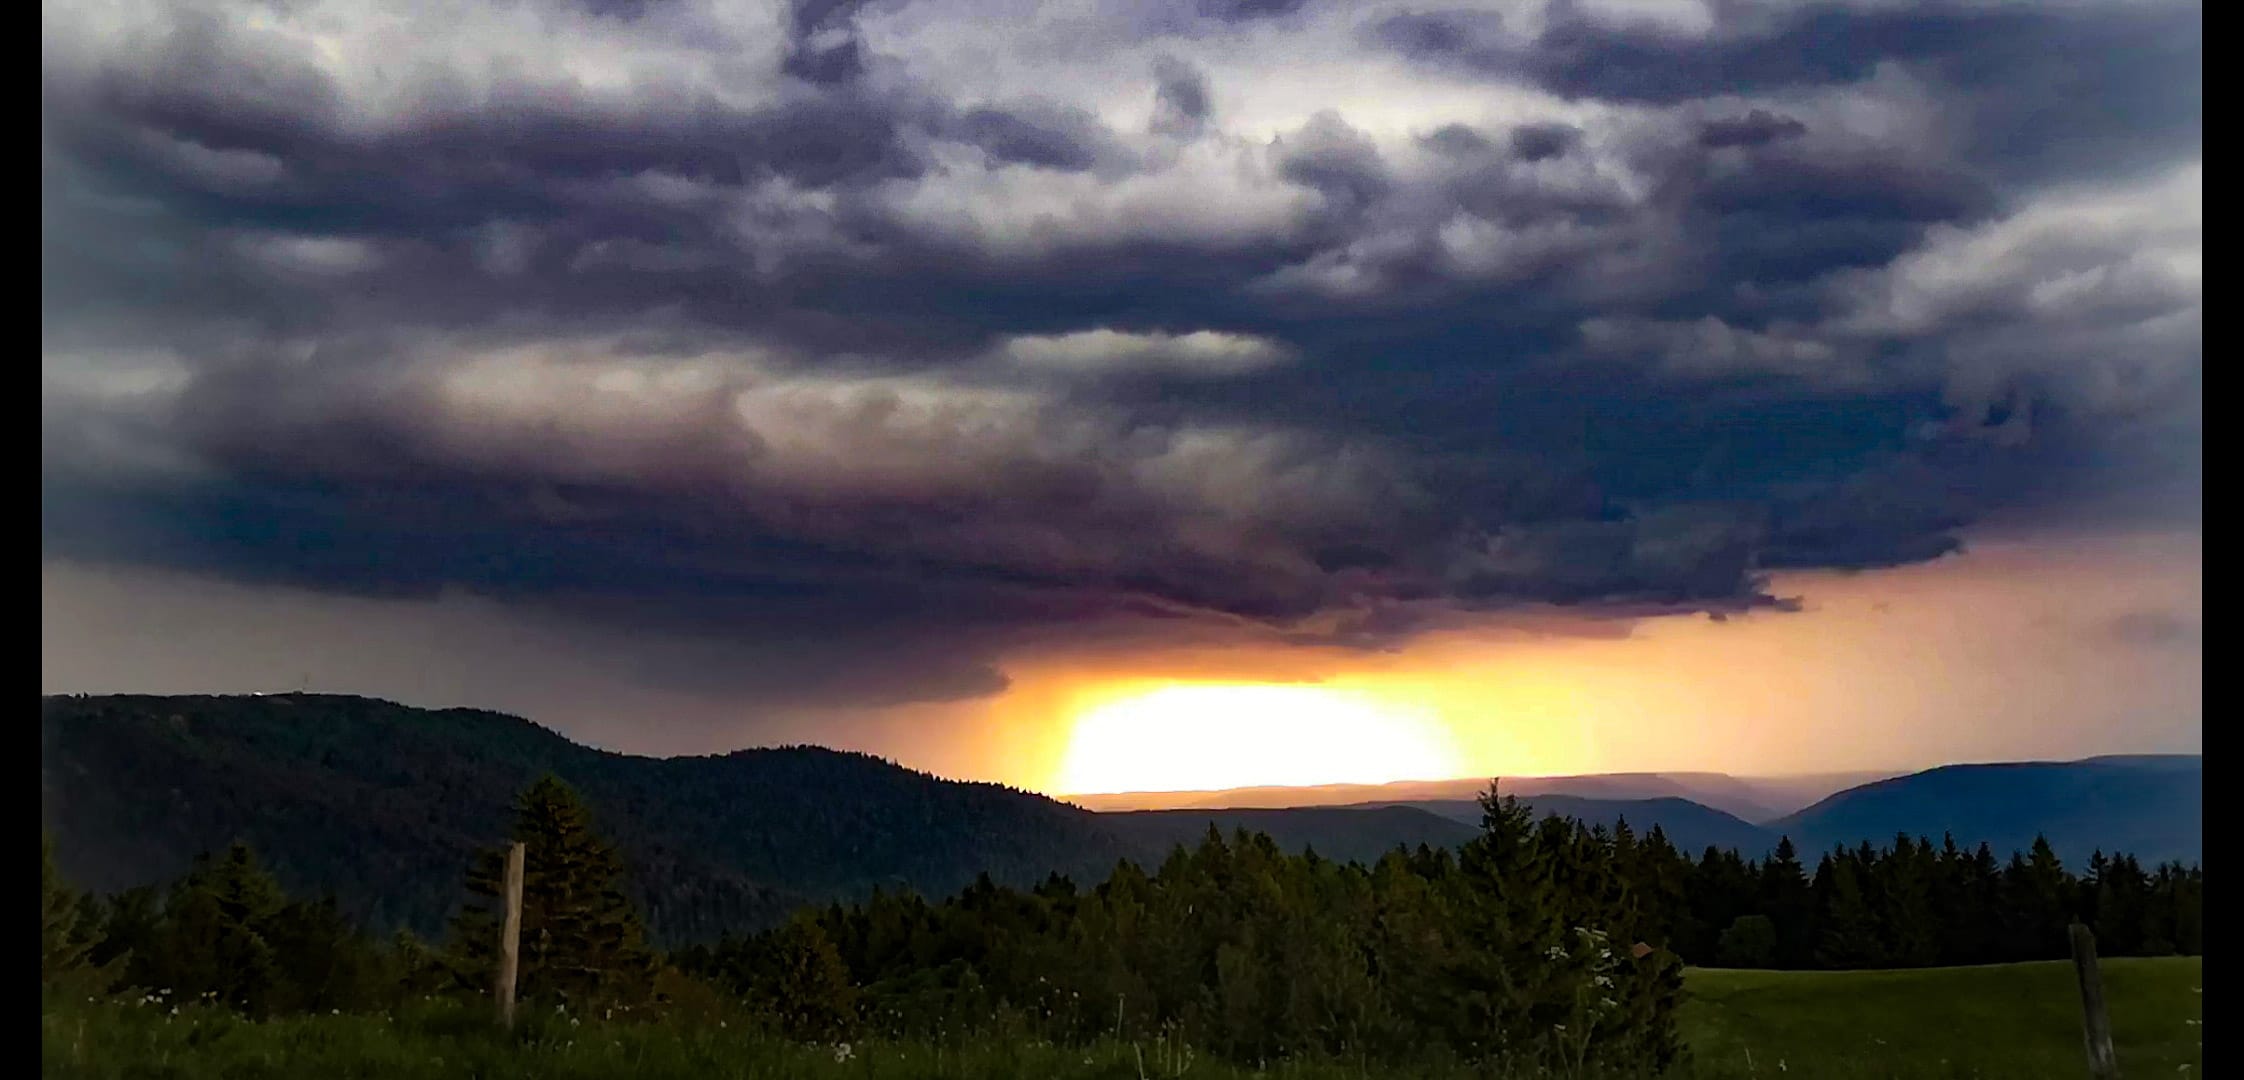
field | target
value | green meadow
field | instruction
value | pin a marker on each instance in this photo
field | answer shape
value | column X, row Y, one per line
column 1996, row 1022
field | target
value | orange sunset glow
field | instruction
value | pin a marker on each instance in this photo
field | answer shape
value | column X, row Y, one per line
column 1190, row 737
column 1999, row 652
column 2004, row 651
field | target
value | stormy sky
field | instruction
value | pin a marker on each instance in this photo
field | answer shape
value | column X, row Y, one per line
column 814, row 363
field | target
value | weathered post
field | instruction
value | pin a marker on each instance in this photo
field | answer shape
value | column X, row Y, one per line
column 510, row 936
column 2096, row 1023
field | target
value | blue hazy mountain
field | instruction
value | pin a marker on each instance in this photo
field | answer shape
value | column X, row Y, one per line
column 2150, row 806
column 1688, row 825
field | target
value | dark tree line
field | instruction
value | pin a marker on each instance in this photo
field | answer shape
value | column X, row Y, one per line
column 1539, row 941
column 1522, row 946
column 226, row 933
column 1240, row 947
column 1915, row 903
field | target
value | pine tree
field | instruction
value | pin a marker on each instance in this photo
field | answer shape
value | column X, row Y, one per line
column 63, row 945
column 1850, row 928
column 1981, row 914
column 1544, row 926
column 1906, row 880
column 1785, row 897
column 805, row 987
column 2039, row 902
column 211, row 937
column 322, row 962
column 582, row 942
column 1660, row 881
column 2119, row 909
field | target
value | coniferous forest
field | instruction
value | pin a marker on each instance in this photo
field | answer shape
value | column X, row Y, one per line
column 1539, row 942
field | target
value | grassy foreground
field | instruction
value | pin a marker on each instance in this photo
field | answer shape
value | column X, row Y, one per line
column 1998, row 1021
column 2009, row 1021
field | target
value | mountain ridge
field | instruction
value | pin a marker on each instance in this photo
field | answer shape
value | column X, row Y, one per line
column 382, row 803
column 1753, row 799
column 2150, row 806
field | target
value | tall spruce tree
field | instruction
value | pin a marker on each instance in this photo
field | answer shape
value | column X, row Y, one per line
column 63, row 944
column 1545, row 925
column 1850, row 925
column 582, row 943
column 2041, row 899
column 211, row 935
column 1789, row 902
column 1906, row 878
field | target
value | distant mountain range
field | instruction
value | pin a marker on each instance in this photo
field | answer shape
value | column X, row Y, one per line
column 1690, row 826
column 1753, row 799
column 382, row 804
column 2150, row 806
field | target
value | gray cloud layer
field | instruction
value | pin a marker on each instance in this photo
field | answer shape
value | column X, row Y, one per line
column 927, row 327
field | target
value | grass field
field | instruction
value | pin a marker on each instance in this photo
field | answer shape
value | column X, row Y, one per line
column 1999, row 1021
column 2011, row 1021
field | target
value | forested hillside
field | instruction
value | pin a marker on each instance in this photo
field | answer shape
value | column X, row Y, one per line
column 383, row 804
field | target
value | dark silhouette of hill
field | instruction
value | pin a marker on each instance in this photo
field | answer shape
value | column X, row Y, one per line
column 1688, row 825
column 2151, row 806
column 383, row 804
column 1753, row 799
column 1345, row 834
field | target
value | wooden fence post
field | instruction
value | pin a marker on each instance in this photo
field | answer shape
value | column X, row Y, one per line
column 2095, row 1022
column 510, row 936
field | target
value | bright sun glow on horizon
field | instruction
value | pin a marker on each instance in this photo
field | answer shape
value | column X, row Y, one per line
column 1192, row 737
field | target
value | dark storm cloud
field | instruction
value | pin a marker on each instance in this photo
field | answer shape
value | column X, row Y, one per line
column 1535, row 142
column 1248, row 9
column 1336, row 159
column 1180, row 105
column 822, row 45
column 622, row 9
column 1753, row 129
column 1067, row 139
column 731, row 328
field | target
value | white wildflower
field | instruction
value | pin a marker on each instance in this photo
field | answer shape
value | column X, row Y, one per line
column 841, row 1052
